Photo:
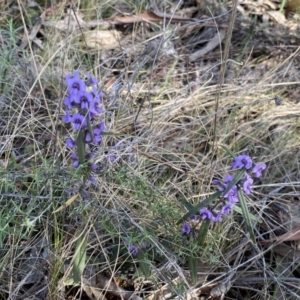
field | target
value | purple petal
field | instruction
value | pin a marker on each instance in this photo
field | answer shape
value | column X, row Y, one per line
column 70, row 143
column 242, row 161
column 206, row 214
column 94, row 167
column 247, row 184
column 91, row 80
column 67, row 118
column 85, row 99
column 257, row 170
column 232, row 195
column 78, row 121
column 76, row 163
column 75, row 84
column 228, row 179
column 133, row 250
column 88, row 138
column 217, row 218
column 225, row 210
column 186, row 228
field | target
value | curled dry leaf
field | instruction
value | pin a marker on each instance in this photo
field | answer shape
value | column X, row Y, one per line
column 212, row 44
column 102, row 39
column 148, row 16
column 277, row 16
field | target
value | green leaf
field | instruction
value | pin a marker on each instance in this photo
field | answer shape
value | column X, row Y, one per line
column 143, row 264
column 203, row 232
column 203, row 203
column 252, row 217
column 80, row 146
column 232, row 154
column 79, row 259
column 193, row 267
column 246, row 214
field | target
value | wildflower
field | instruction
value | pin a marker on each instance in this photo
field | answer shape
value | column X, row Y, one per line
column 91, row 80
column 70, row 143
column 242, row 161
column 219, row 184
column 206, row 214
column 186, row 228
column 133, row 250
column 227, row 179
column 76, row 160
column 194, row 218
column 85, row 99
column 67, row 117
column 227, row 208
column 216, row 217
column 257, row 170
column 247, row 184
column 75, row 83
column 78, row 121
column 232, row 195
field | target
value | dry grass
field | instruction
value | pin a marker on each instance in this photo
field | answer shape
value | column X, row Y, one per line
column 160, row 114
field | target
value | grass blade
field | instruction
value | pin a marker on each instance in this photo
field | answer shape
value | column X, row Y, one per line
column 246, row 214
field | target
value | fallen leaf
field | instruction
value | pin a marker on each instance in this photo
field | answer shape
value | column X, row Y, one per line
column 212, row 44
column 148, row 16
column 102, row 39
column 277, row 16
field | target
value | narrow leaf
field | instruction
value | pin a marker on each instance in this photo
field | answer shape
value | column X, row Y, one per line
column 203, row 203
column 67, row 203
column 246, row 214
column 80, row 147
column 193, row 267
column 79, row 259
column 232, row 154
column 203, row 232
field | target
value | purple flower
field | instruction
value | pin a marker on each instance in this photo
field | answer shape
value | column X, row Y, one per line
column 186, row 228
column 194, row 218
column 75, row 158
column 75, row 83
column 217, row 217
column 101, row 126
column 242, row 161
column 257, row 170
column 78, row 121
column 85, row 99
column 92, row 180
column 206, row 214
column 68, row 102
column 91, row 80
column 232, row 195
column 219, row 184
column 225, row 210
column 94, row 167
column 98, row 96
column 133, row 250
column 70, row 143
column 97, row 135
column 227, row 179
column 88, row 137
column 247, row 184
column 67, row 117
